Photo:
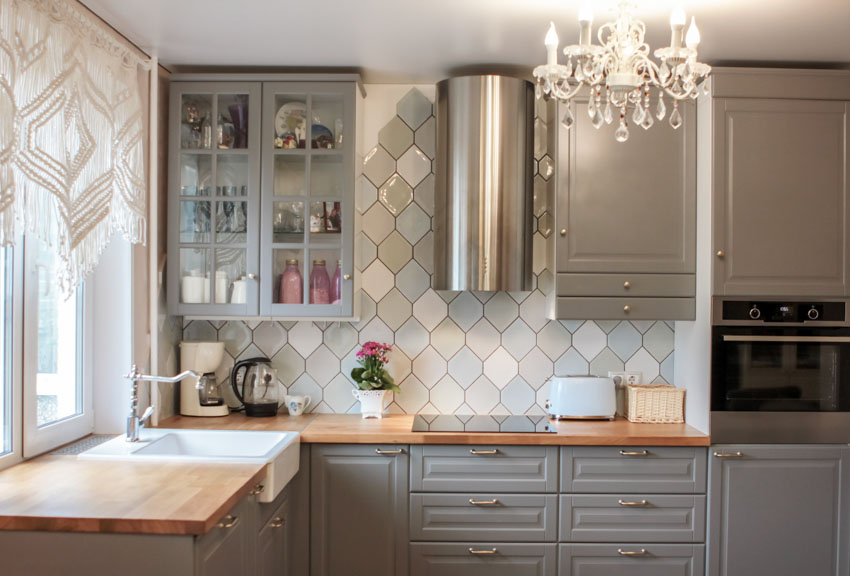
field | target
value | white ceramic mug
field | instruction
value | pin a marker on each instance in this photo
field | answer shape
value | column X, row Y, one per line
column 296, row 404
column 240, row 291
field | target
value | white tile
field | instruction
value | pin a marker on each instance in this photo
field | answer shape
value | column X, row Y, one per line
column 658, row 341
column 466, row 310
column 667, row 369
column 236, row 337
column 337, row 394
column 643, row 325
column 606, row 361
column 395, row 252
column 305, row 337
column 349, row 363
column 322, row 365
column 447, row 338
column 200, row 331
column 306, row 386
column 518, row 339
column 394, row 309
column 533, row 310
column 448, row 296
column 412, row 281
column 544, row 226
column 501, row 310
column 465, row 367
column 395, row 194
column 447, row 395
column 546, row 167
column 378, row 165
column 430, row 310
column 482, row 396
column 426, row 136
column 269, row 337
column 571, row 363
column 608, row 325
column 366, row 254
column 377, row 280
column 539, row 204
column 396, row 137
column 536, row 368
column 414, row 395
column 378, row 223
column 376, row 331
column 542, row 395
column 500, row 368
column 366, row 195
column 518, row 396
column 540, row 138
column 429, row 367
column 413, row 166
column 589, row 340
column 399, row 366
column 644, row 363
column 423, row 252
column 572, row 325
column 553, row 339
column 423, row 194
column 483, row 339
column 412, row 338
column 624, row 340
column 414, row 108
column 289, row 365
column 368, row 309
column 413, row 223
column 538, row 255
column 340, row 338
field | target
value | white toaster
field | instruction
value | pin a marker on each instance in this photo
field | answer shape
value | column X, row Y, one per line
column 581, row 398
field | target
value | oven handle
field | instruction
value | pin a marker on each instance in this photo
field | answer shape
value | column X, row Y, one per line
column 826, row 339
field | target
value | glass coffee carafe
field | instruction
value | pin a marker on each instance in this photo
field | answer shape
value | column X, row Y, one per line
column 254, row 382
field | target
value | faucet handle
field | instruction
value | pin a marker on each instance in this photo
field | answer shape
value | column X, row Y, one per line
column 147, row 414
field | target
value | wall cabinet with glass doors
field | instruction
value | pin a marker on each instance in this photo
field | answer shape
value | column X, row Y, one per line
column 261, row 197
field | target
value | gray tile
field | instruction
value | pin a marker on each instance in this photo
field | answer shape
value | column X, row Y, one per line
column 378, row 165
column 200, row 331
column 414, row 108
column 536, row 368
column 533, row 310
column 349, row 363
column 546, row 167
column 518, row 339
column 466, row 310
column 429, row 367
column 482, row 396
column 447, row 395
column 376, row 331
column 414, row 395
column 667, row 369
column 500, row 368
column 337, row 394
column 423, row 252
column 366, row 195
column 306, row 386
column 412, row 338
column 368, row 309
column 412, row 281
column 399, row 365
column 607, row 325
column 572, row 325
column 396, row 137
column 604, row 362
column 430, row 310
column 538, row 253
column 236, row 337
column 546, row 282
column 367, row 253
column 305, row 337
column 540, row 135
column 378, row 223
column 448, row 296
column 571, row 363
column 465, row 367
column 395, row 194
column 483, row 338
column 322, row 365
column 394, row 309
column 544, row 225
column 377, row 280
column 340, row 338
column 501, row 311
column 553, row 339
column 589, row 340
column 289, row 365
column 395, row 252
column 658, row 340
column 426, row 136
column 624, row 340
column 644, row 363
column 269, row 337
column 643, row 325
column 540, row 198
column 447, row 338
column 413, row 166
column 423, row 194
column 519, row 297
column 413, row 223
column 517, row 396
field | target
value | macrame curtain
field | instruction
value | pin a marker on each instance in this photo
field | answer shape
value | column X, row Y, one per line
column 71, row 133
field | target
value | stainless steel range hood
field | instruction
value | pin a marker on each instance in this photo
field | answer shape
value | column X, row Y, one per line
column 483, row 196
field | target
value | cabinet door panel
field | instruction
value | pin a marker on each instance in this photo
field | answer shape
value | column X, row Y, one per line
column 780, row 197
column 507, row 560
column 651, row 560
column 779, row 510
column 228, row 549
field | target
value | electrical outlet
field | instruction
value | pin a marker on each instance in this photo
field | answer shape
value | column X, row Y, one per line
column 623, row 379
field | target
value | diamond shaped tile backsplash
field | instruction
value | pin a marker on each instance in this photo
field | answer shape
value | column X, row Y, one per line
column 454, row 352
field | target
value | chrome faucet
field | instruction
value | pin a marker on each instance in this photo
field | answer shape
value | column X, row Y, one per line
column 135, row 423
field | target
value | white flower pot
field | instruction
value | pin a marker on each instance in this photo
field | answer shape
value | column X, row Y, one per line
column 371, row 402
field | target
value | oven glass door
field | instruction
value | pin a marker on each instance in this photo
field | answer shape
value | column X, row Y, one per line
column 781, row 369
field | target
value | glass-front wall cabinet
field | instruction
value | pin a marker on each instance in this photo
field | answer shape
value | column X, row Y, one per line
column 261, row 188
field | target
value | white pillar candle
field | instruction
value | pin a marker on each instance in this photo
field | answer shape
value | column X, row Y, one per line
column 677, row 26
column 551, row 43
column 585, row 20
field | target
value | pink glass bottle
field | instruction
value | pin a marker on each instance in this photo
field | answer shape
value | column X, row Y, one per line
column 292, row 284
column 336, row 284
column 320, row 284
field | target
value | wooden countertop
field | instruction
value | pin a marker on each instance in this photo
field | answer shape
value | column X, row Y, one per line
column 397, row 429
column 61, row 493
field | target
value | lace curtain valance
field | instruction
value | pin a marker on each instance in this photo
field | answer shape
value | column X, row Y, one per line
column 71, row 133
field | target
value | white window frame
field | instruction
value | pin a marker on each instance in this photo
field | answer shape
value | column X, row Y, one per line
column 13, row 323
column 37, row 440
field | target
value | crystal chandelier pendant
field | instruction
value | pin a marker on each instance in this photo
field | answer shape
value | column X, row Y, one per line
column 591, row 108
column 675, row 117
column 597, row 120
column 538, row 91
column 622, row 133
column 647, row 122
column 568, row 120
column 661, row 109
column 609, row 113
column 638, row 115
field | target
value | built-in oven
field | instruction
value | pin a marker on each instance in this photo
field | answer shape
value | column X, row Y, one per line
column 780, row 372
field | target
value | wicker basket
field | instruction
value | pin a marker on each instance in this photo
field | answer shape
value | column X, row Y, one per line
column 656, row 404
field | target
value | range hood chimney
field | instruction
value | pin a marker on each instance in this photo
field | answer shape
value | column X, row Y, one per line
column 483, row 191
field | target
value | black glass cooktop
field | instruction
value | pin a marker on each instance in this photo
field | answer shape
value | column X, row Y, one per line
column 479, row 423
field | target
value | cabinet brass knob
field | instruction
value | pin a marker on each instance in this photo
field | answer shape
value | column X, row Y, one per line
column 228, row 521
column 721, row 254
column 258, row 489
column 277, row 522
column 627, row 308
column 563, row 231
column 627, row 284
column 346, row 276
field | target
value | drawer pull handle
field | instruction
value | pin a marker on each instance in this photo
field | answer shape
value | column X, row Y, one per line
column 641, row 552
column 483, row 452
column 728, row 454
column 276, row 522
column 258, row 489
column 388, row 452
column 635, row 503
column 627, row 284
column 483, row 552
column 228, row 521
column 492, row 502
column 634, row 453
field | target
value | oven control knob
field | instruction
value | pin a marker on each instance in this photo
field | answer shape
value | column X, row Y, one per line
column 813, row 314
column 755, row 313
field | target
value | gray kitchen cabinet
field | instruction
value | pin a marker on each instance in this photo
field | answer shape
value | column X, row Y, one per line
column 633, row 560
column 624, row 241
column 255, row 189
column 779, row 510
column 359, row 510
column 229, row 548
column 482, row 559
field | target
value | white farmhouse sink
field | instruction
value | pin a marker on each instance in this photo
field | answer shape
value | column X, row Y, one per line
column 279, row 451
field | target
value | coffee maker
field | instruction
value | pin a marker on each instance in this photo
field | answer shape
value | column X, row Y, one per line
column 201, row 397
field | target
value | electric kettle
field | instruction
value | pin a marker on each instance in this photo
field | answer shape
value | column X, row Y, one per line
column 256, row 386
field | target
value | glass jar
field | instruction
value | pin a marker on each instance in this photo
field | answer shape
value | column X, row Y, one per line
column 320, row 284
column 291, row 284
column 336, row 284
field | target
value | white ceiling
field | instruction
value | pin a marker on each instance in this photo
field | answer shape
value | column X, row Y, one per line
column 398, row 41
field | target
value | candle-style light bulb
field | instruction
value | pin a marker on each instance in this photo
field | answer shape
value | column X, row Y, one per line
column 551, row 42
column 585, row 21
column 693, row 37
column 677, row 26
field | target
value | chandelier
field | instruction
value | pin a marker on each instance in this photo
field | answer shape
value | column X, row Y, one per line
column 619, row 72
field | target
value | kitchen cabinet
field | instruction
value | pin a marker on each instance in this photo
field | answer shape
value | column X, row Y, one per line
column 624, row 241
column 272, row 542
column 228, row 549
column 781, row 150
column 262, row 176
column 779, row 509
column 359, row 510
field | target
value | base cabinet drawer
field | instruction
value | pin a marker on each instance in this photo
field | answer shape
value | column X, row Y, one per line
column 633, row 308
column 484, row 468
column 631, row 560
column 633, row 470
column 627, row 285
column 632, row 518
column 496, row 517
column 483, row 559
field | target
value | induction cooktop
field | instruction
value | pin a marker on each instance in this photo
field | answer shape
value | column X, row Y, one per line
column 481, row 423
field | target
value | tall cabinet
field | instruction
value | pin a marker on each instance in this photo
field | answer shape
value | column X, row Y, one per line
column 262, row 177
